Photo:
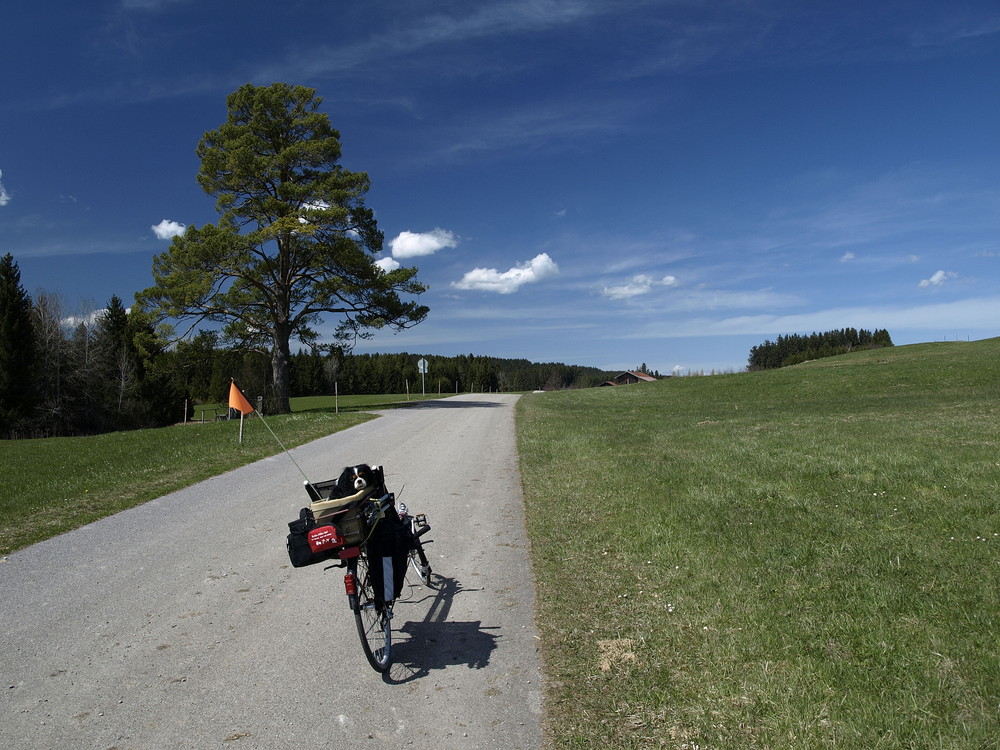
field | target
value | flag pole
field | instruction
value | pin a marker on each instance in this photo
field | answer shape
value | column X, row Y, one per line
column 239, row 402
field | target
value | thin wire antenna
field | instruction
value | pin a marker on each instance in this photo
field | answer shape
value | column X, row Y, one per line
column 283, row 447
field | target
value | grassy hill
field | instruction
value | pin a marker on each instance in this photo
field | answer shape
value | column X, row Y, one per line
column 805, row 557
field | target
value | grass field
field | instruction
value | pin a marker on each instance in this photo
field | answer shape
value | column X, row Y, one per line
column 104, row 474
column 800, row 558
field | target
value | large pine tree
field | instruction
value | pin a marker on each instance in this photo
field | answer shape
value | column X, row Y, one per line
column 295, row 240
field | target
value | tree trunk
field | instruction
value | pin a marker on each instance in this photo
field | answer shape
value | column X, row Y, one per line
column 280, row 371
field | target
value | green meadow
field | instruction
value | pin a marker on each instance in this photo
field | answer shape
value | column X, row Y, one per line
column 798, row 558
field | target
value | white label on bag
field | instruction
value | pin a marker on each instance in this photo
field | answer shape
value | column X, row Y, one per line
column 387, row 579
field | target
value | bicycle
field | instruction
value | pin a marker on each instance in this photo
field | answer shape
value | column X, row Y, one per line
column 372, row 611
column 376, row 541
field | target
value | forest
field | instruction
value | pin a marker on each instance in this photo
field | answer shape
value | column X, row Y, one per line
column 795, row 349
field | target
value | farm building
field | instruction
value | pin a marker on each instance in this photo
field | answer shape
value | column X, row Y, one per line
column 629, row 377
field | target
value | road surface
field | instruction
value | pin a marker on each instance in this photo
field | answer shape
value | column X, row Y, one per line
column 180, row 623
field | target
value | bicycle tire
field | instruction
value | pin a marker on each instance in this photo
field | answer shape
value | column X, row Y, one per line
column 373, row 618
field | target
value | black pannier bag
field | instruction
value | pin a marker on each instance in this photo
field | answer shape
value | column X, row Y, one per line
column 388, row 553
column 300, row 552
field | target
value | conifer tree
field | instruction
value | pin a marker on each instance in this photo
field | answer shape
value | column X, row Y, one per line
column 294, row 242
column 17, row 347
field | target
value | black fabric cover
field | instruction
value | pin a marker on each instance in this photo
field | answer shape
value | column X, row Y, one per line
column 388, row 550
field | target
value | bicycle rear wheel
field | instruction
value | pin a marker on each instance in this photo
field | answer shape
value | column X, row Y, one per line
column 373, row 618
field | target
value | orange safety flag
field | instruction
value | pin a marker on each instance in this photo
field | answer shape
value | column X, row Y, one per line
column 237, row 400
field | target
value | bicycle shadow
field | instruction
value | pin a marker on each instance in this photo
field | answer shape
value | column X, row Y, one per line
column 435, row 643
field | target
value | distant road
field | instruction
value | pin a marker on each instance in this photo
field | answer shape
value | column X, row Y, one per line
column 180, row 624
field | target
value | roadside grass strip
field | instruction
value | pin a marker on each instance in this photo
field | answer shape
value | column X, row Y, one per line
column 807, row 557
column 54, row 485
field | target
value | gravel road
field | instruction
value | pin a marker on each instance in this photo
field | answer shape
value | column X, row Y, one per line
column 180, row 623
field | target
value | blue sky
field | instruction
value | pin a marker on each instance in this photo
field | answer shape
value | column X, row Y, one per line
column 583, row 181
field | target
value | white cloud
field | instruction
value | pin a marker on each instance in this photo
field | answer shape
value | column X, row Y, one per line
column 847, row 257
column 414, row 244
column 938, row 279
column 4, row 195
column 639, row 285
column 491, row 280
column 167, row 229
column 88, row 320
column 387, row 264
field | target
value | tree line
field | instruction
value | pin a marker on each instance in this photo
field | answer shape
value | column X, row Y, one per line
column 795, row 349
column 61, row 375
column 393, row 373
column 202, row 371
column 112, row 369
